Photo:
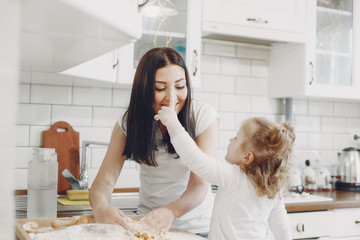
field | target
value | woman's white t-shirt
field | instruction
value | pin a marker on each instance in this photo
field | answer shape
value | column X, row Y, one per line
column 166, row 182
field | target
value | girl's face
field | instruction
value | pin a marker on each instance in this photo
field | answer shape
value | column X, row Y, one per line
column 170, row 78
column 234, row 153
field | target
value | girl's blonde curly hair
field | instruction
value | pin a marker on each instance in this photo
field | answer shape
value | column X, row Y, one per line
column 272, row 148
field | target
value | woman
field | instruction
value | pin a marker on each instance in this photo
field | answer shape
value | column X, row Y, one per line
column 169, row 194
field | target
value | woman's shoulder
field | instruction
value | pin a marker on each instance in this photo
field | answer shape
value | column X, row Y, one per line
column 198, row 107
column 204, row 115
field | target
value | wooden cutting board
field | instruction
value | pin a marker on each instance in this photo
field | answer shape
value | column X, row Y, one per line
column 65, row 140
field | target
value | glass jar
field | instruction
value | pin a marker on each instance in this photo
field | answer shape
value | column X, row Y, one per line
column 42, row 184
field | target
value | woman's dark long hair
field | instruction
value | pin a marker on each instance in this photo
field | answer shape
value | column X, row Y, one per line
column 139, row 118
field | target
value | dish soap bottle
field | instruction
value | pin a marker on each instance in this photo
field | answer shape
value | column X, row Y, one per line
column 309, row 177
column 42, row 184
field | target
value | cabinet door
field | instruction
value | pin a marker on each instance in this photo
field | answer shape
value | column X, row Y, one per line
column 325, row 65
column 311, row 224
column 332, row 52
column 256, row 18
column 178, row 26
column 347, row 222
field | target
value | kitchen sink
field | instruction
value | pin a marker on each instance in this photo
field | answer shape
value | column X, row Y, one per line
column 127, row 202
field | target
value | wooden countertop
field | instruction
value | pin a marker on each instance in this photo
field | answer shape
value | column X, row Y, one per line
column 341, row 199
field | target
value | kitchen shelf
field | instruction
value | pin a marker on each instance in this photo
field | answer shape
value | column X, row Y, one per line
column 331, row 11
column 330, row 53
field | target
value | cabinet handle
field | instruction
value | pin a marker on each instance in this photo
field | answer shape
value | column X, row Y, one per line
column 196, row 62
column 312, row 73
column 300, row 227
column 357, row 221
column 257, row 20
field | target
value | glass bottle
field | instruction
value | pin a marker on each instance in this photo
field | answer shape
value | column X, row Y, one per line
column 42, row 184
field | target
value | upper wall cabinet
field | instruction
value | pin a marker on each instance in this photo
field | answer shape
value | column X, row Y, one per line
column 255, row 21
column 175, row 24
column 59, row 34
column 326, row 65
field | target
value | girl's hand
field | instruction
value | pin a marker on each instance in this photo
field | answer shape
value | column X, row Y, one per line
column 111, row 215
column 168, row 116
column 158, row 220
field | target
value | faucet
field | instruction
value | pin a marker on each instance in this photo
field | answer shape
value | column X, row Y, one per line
column 83, row 181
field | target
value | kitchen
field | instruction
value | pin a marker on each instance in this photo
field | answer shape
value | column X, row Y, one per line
column 325, row 120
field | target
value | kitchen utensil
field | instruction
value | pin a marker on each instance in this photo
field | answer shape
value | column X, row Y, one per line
column 309, row 177
column 349, row 170
column 65, row 140
column 323, row 178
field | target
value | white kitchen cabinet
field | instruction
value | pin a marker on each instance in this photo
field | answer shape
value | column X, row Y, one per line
column 182, row 31
column 266, row 21
column 311, row 224
column 347, row 223
column 57, row 35
column 327, row 64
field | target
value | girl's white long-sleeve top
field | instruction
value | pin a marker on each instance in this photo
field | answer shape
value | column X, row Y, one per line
column 239, row 213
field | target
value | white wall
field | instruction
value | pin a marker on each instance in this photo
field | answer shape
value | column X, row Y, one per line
column 234, row 82
column 9, row 69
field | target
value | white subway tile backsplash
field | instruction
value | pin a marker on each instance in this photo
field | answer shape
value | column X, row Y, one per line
column 353, row 125
column 209, row 98
column 25, row 77
column 235, row 66
column 234, row 103
column 121, row 98
column 224, row 138
column 92, row 96
column 22, row 135
column 334, row 125
column 329, row 158
column 218, row 83
column 85, row 82
column 23, row 156
column 262, row 104
column 252, row 53
column 346, row 109
column 106, row 117
column 248, row 85
column 50, row 78
column 24, row 93
column 99, row 134
column 210, row 64
column 321, row 141
column 301, row 141
column 259, row 68
column 307, row 124
column 49, row 94
column 36, row 135
column 97, row 156
column 321, row 108
column 227, row 121
column 300, row 107
column 342, row 141
column 74, row 115
column 36, row 114
column 241, row 117
column 220, row 49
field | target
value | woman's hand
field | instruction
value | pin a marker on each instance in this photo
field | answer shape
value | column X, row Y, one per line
column 168, row 116
column 158, row 220
column 111, row 215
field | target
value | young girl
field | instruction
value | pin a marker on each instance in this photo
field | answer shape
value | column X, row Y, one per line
column 248, row 196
